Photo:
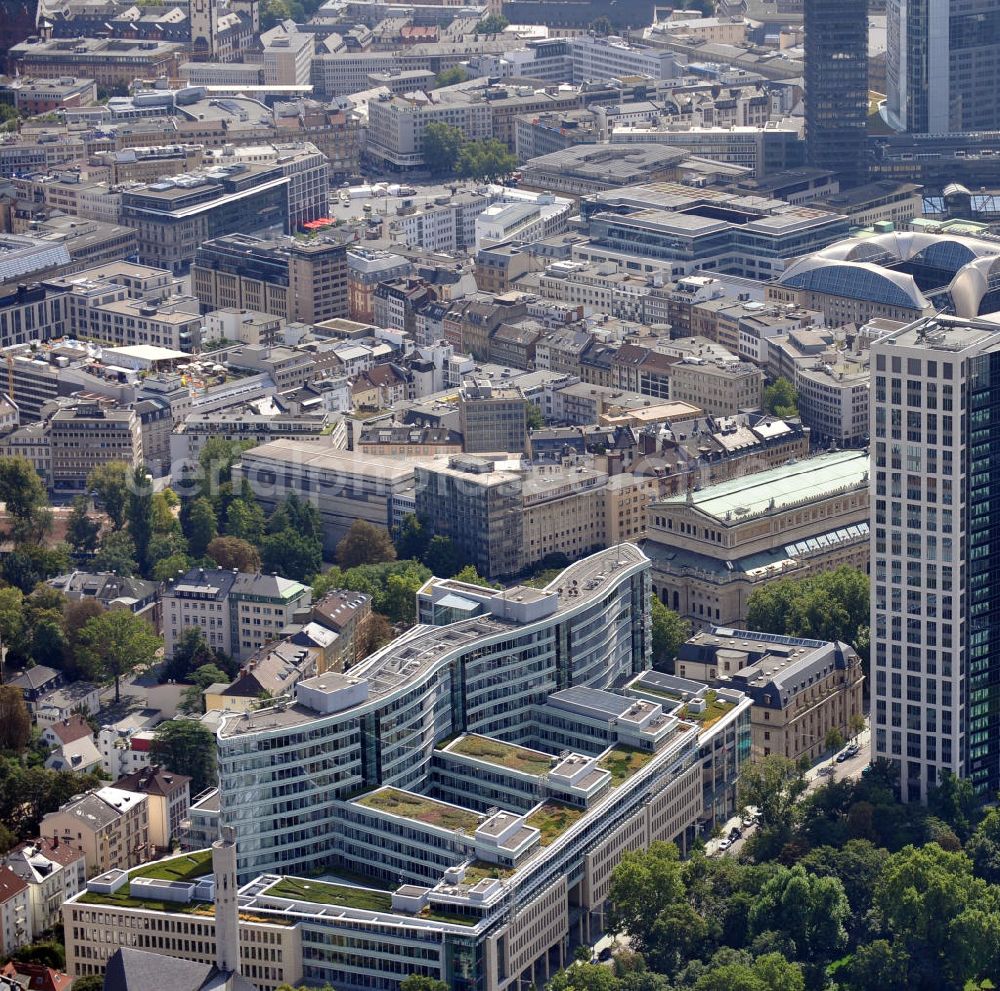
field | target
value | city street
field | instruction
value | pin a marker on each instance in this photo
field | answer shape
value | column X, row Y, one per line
column 818, row 775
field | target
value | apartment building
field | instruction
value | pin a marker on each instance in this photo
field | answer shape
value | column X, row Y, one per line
column 302, row 281
column 712, row 547
column 53, row 871
column 110, row 62
column 15, row 912
column 427, row 818
column 397, row 125
column 831, row 380
column 109, row 825
column 365, row 270
column 189, row 437
column 933, row 567
column 237, row 612
column 492, row 417
column 85, row 436
column 287, row 57
column 596, row 59
column 801, row 689
column 168, row 797
column 719, row 386
column 507, row 517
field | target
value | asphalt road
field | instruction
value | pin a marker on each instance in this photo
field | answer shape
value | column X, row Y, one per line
column 817, row 776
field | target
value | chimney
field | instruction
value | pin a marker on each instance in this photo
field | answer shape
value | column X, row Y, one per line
column 227, row 914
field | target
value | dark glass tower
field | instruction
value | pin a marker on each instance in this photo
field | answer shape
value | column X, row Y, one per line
column 836, row 77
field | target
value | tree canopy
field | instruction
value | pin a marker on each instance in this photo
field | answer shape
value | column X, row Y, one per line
column 781, row 399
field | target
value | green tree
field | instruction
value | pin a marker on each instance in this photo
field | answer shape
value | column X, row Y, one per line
column 879, row 964
column 23, row 494
column 48, row 953
column 451, row 77
column 117, row 553
column 834, row 739
column 89, row 982
column 983, row 848
column 832, row 605
column 443, row 557
column 486, row 160
column 291, row 554
column 411, row 538
column 643, row 884
column 442, row 146
column 231, row 552
column 772, row 785
column 169, row 567
column 245, row 520
column 110, row 484
column 401, row 596
column 601, row 27
column 117, row 642
column 185, row 746
column 471, row 576
column 15, row 720
column 857, row 865
column 191, row 653
column 198, row 520
column 12, row 629
column 29, row 564
column 811, row 911
column 82, row 530
column 954, row 801
column 534, row 417
column 778, row 974
column 192, row 698
column 669, row 632
column 417, row 982
column 781, row 399
column 942, row 914
column 365, row 543
column 856, row 724
column 492, row 24
column 164, row 518
column 215, row 464
column 140, row 516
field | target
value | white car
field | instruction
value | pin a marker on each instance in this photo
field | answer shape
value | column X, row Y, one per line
column 725, row 844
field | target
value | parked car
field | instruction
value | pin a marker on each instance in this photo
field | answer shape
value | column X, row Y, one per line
column 842, row 756
column 735, row 834
column 724, row 845
column 605, row 954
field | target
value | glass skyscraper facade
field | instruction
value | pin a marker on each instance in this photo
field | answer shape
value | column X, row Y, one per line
column 836, row 78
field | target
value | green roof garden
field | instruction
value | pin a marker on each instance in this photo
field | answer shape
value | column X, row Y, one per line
column 502, row 754
column 325, row 893
column 422, row 809
column 553, row 819
column 715, row 709
column 188, row 867
column 479, row 870
column 623, row 762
